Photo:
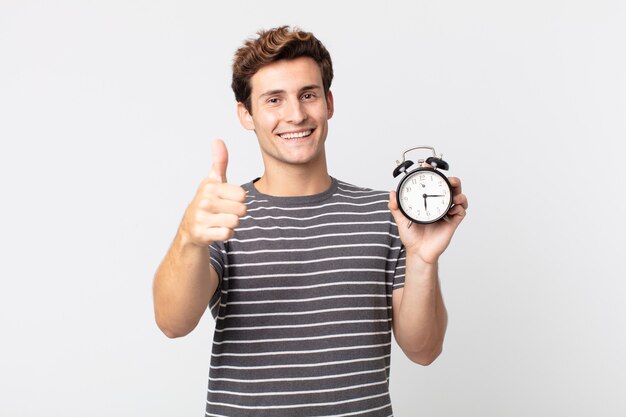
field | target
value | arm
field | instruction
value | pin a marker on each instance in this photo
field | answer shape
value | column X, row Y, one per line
column 419, row 313
column 183, row 286
column 185, row 282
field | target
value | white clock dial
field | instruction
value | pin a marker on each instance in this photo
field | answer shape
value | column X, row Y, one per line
column 424, row 196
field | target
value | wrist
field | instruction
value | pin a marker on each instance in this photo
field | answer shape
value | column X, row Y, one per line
column 421, row 273
column 185, row 241
column 420, row 261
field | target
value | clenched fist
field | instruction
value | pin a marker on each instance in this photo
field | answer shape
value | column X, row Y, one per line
column 217, row 206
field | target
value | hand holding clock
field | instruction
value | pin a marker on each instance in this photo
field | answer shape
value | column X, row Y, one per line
column 429, row 241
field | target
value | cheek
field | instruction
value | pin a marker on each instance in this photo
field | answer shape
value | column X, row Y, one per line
column 267, row 121
column 323, row 113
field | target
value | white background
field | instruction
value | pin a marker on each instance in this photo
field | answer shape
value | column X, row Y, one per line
column 107, row 111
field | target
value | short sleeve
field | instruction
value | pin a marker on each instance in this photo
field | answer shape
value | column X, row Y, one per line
column 400, row 270
column 398, row 253
column 217, row 254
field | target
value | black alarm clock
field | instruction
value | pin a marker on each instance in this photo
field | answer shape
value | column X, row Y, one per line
column 424, row 194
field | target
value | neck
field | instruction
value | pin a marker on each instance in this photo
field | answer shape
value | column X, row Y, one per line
column 293, row 181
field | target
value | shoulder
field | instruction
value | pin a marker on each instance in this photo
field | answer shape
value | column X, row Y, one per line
column 363, row 198
column 351, row 189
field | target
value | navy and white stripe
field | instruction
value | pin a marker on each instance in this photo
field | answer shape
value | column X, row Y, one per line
column 303, row 310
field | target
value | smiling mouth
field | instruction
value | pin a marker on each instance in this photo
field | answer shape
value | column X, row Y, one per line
column 296, row 135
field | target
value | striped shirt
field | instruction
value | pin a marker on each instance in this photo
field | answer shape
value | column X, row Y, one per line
column 303, row 309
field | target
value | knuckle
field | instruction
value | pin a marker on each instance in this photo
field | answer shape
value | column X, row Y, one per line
column 206, row 187
column 197, row 232
column 210, row 188
column 209, row 204
column 225, row 233
column 241, row 195
column 234, row 222
column 198, row 219
column 204, row 204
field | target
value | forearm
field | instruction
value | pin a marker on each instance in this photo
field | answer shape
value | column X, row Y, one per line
column 183, row 286
column 421, row 323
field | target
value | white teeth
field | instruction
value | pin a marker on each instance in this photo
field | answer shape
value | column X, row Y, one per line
column 295, row 135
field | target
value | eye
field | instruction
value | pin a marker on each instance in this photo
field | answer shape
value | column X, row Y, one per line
column 273, row 100
column 308, row 96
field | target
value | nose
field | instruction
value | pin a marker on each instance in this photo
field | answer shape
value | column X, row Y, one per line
column 295, row 112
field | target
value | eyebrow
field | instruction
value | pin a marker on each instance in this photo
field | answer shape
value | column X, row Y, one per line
column 305, row 88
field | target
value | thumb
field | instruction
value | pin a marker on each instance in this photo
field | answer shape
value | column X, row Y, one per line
column 219, row 156
column 395, row 211
column 393, row 204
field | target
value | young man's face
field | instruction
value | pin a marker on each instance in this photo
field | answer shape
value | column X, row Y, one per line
column 289, row 113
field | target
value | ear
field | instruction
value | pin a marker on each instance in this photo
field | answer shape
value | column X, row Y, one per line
column 245, row 118
column 330, row 104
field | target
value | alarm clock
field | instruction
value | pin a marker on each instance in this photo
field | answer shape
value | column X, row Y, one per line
column 424, row 194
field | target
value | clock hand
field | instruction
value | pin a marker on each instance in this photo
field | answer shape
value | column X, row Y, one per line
column 433, row 195
column 425, row 204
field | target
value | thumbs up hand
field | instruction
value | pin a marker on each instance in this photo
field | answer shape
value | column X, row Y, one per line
column 214, row 212
column 219, row 155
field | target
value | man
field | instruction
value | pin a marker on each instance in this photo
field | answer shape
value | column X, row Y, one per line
column 307, row 276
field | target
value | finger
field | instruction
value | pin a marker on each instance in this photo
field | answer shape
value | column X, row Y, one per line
column 393, row 202
column 216, row 206
column 455, row 182
column 219, row 156
column 204, row 221
column 460, row 199
column 216, row 234
column 222, row 190
column 457, row 213
column 227, row 220
column 398, row 217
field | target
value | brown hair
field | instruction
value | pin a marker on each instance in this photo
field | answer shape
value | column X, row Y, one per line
column 273, row 45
